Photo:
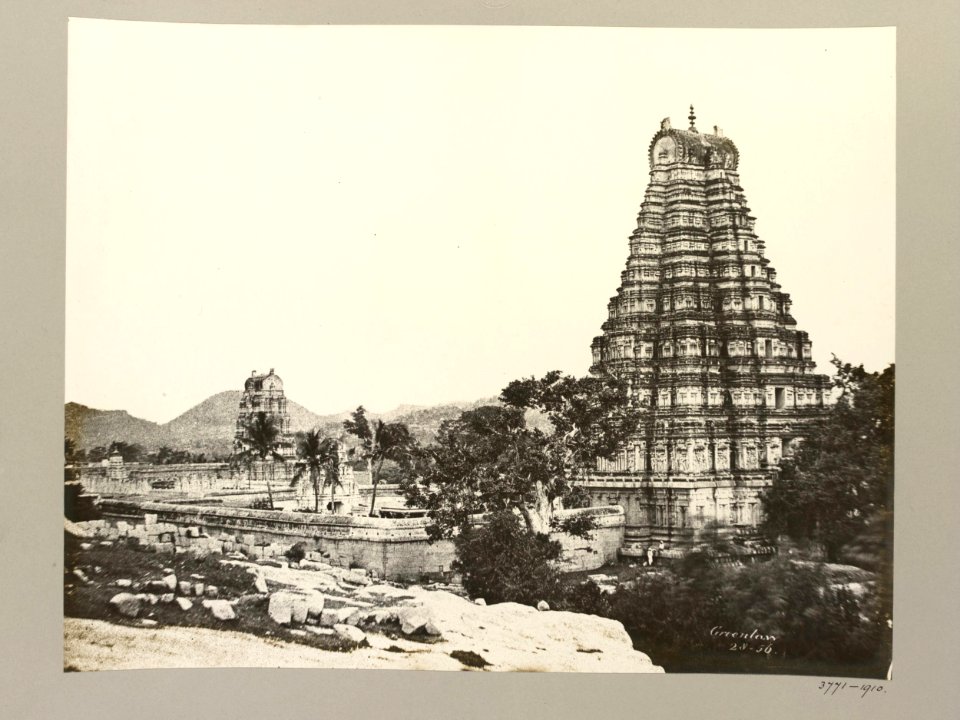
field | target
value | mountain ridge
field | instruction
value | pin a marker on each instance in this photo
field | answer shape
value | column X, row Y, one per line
column 208, row 427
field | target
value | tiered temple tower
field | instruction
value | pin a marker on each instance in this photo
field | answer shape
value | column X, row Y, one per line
column 264, row 393
column 703, row 335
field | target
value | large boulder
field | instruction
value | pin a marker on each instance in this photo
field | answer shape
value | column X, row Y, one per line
column 281, row 606
column 315, row 603
column 518, row 637
column 417, row 619
column 298, row 611
column 328, row 617
column 126, row 604
column 350, row 634
column 221, row 609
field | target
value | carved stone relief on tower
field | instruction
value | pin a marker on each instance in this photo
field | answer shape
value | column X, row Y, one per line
column 660, row 458
column 680, row 458
column 723, row 456
column 700, row 458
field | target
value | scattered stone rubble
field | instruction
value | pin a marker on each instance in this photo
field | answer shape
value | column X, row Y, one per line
column 362, row 612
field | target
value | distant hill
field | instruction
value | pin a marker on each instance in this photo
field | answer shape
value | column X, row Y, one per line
column 209, row 427
column 425, row 421
column 89, row 428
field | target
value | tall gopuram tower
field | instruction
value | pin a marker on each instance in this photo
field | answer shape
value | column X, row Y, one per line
column 703, row 335
column 264, row 393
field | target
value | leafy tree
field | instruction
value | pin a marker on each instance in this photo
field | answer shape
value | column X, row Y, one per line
column 319, row 458
column 489, row 459
column 168, row 456
column 841, row 478
column 262, row 440
column 71, row 453
column 130, row 452
column 379, row 442
column 502, row 562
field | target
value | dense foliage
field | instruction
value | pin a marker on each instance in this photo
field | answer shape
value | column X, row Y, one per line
column 131, row 453
column 318, row 458
column 261, row 442
column 796, row 604
column 502, row 562
column 491, row 459
column 841, row 478
column 380, row 442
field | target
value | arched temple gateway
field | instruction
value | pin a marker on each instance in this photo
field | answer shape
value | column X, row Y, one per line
column 703, row 335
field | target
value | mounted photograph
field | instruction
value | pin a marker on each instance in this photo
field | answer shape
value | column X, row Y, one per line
column 462, row 348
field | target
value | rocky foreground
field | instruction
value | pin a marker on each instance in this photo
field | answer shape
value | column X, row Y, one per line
column 312, row 614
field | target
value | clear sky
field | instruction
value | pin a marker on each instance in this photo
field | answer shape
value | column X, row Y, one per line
column 394, row 215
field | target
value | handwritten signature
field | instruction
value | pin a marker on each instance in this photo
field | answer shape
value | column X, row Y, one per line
column 753, row 641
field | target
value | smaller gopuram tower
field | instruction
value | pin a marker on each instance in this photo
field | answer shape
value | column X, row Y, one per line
column 704, row 336
column 264, row 393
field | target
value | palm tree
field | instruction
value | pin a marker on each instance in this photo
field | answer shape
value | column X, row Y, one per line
column 380, row 442
column 261, row 441
column 319, row 457
column 330, row 451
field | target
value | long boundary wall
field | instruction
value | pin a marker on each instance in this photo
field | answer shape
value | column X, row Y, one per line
column 396, row 549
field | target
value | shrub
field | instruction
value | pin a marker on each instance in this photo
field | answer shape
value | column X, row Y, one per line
column 296, row 553
column 503, row 562
column 586, row 598
column 796, row 603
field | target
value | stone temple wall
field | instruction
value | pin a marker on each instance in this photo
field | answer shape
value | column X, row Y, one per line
column 396, row 549
column 193, row 480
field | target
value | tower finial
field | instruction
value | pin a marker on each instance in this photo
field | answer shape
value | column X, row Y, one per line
column 691, row 117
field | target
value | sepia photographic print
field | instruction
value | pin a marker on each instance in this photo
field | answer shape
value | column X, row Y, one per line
column 538, row 349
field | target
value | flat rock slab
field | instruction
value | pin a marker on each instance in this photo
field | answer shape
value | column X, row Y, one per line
column 383, row 591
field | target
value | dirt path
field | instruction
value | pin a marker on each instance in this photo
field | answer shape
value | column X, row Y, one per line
column 98, row 645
